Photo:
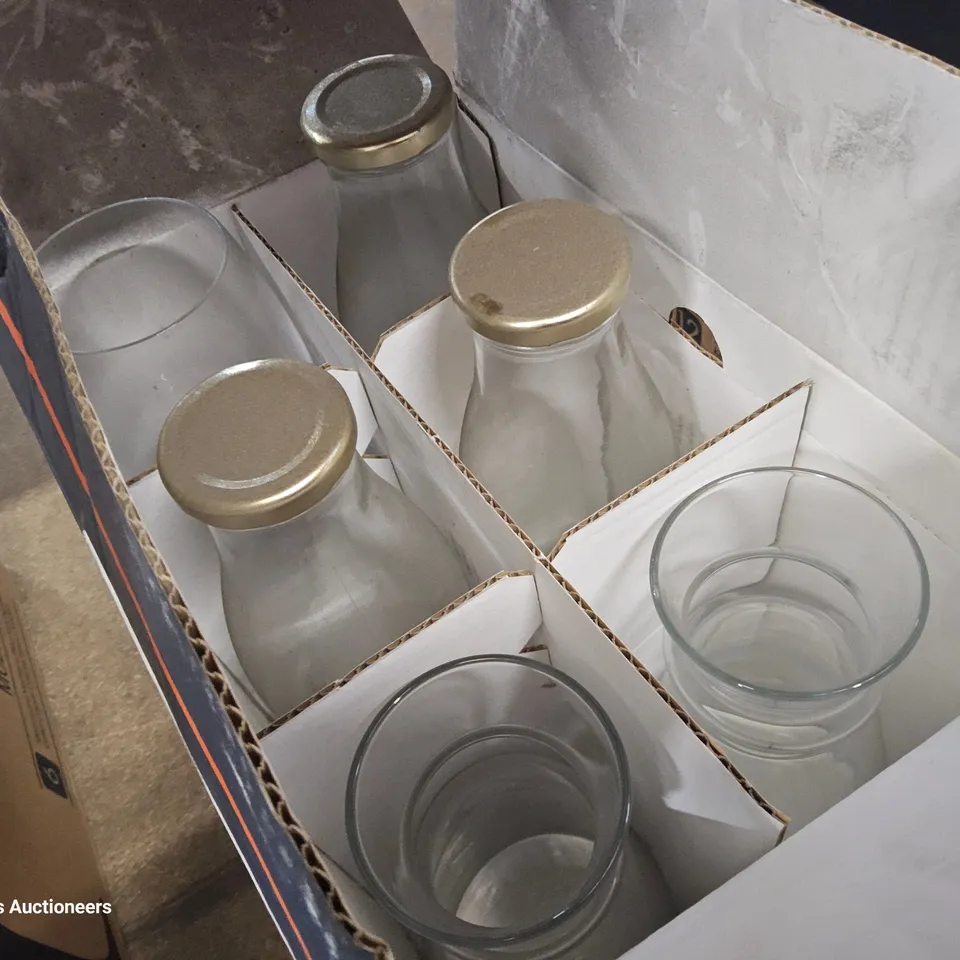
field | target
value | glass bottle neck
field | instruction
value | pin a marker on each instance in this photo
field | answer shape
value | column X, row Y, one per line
column 436, row 162
column 495, row 358
column 343, row 503
column 397, row 228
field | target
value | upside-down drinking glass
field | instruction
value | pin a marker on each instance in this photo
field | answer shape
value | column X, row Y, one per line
column 787, row 597
column 155, row 296
column 487, row 808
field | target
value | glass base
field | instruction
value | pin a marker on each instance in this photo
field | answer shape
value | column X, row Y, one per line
column 635, row 906
column 490, row 869
column 525, row 880
column 805, row 787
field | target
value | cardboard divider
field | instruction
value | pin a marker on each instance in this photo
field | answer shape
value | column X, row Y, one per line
column 311, row 750
column 607, row 558
column 429, row 359
column 701, row 820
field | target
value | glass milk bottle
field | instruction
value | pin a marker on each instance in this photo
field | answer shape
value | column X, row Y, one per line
column 562, row 417
column 386, row 128
column 323, row 563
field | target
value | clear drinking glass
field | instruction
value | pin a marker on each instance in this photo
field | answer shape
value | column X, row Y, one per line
column 562, row 416
column 787, row 597
column 323, row 563
column 155, row 296
column 487, row 809
column 387, row 129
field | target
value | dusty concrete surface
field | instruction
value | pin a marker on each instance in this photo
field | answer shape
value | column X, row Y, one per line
column 106, row 100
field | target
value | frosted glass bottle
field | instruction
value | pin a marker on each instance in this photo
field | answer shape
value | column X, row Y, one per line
column 387, row 129
column 562, row 417
column 323, row 563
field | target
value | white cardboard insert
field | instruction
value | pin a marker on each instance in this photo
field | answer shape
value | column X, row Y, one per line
column 706, row 824
column 499, row 618
column 607, row 559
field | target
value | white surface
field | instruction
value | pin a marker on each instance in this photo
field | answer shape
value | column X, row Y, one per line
column 811, row 170
column 876, row 877
column 362, row 411
column 608, row 560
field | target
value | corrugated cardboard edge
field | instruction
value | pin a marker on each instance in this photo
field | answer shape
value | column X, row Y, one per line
column 538, row 554
column 390, row 330
column 380, row 654
column 874, row 35
column 624, row 497
column 311, row 855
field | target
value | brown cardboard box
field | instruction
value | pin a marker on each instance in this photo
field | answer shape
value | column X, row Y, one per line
column 45, row 858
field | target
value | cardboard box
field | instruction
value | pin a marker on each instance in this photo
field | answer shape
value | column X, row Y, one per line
column 46, row 864
column 702, row 822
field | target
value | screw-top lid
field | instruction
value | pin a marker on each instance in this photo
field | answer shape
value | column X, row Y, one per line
column 257, row 444
column 541, row 272
column 378, row 112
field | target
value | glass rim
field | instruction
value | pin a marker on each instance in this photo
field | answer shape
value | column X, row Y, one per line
column 222, row 233
column 486, row 936
column 770, row 693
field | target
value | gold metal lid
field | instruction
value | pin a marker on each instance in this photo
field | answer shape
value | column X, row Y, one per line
column 541, row 272
column 378, row 112
column 257, row 444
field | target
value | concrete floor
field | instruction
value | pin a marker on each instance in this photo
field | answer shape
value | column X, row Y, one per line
column 201, row 100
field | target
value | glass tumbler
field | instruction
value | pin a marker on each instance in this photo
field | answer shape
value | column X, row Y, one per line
column 787, row 597
column 487, row 808
column 155, row 296
column 387, row 129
